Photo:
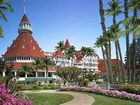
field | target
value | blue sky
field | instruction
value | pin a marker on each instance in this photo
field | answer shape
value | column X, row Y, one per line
column 56, row 20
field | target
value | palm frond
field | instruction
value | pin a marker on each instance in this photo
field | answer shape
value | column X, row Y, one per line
column 1, row 32
column 2, row 15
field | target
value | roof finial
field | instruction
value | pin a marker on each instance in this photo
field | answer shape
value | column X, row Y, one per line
column 24, row 6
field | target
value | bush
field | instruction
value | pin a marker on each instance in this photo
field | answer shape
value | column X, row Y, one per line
column 52, row 86
column 130, row 88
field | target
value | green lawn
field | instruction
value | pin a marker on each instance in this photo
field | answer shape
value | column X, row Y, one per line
column 49, row 98
column 103, row 100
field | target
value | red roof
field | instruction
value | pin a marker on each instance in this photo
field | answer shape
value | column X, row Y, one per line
column 67, row 44
column 79, row 58
column 52, row 68
column 101, row 65
column 17, row 65
column 24, row 45
column 57, row 53
column 24, row 19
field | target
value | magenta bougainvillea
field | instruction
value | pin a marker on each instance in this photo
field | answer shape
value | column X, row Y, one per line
column 6, row 98
column 99, row 90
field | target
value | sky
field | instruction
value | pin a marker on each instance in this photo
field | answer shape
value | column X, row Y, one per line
column 57, row 20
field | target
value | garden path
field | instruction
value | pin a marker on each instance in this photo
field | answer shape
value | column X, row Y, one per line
column 79, row 98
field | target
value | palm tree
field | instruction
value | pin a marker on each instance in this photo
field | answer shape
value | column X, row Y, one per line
column 134, row 6
column 60, row 45
column 26, row 69
column 100, row 43
column 38, row 63
column 5, row 6
column 133, row 26
column 107, row 54
column 70, row 52
column 46, row 63
column 127, row 40
column 2, row 66
column 114, row 10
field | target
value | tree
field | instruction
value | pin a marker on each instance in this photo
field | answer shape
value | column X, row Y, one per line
column 127, row 40
column 60, row 45
column 70, row 74
column 26, row 69
column 100, row 42
column 87, row 51
column 5, row 6
column 134, row 5
column 47, row 62
column 2, row 66
column 8, row 74
column 114, row 10
column 70, row 52
column 106, row 50
column 38, row 63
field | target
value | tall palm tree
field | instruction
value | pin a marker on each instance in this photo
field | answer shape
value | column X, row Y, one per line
column 127, row 41
column 46, row 63
column 60, row 45
column 5, row 6
column 134, row 6
column 107, row 56
column 26, row 69
column 114, row 10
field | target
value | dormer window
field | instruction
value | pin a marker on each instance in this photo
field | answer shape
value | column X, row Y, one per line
column 14, row 46
column 33, row 48
column 23, row 47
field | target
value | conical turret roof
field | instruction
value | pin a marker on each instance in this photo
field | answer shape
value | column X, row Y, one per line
column 25, row 19
column 67, row 44
column 24, row 45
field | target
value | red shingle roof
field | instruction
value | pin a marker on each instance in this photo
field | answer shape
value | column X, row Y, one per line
column 24, row 19
column 24, row 45
column 101, row 65
column 57, row 53
column 67, row 44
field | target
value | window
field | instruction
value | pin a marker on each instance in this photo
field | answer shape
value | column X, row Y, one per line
column 33, row 48
column 49, row 74
column 23, row 47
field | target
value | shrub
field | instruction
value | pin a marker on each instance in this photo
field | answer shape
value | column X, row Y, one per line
column 130, row 89
column 6, row 98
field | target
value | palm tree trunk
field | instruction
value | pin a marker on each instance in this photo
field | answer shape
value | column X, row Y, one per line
column 134, row 53
column 117, row 57
column 118, row 53
column 134, row 60
column 122, row 66
column 107, row 74
column 127, row 42
column 46, row 75
column 101, row 11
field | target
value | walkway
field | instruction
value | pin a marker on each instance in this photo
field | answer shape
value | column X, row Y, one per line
column 79, row 98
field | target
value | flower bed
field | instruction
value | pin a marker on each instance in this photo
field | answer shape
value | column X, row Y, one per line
column 98, row 90
column 6, row 98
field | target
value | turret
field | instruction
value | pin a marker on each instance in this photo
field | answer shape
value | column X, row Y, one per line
column 24, row 25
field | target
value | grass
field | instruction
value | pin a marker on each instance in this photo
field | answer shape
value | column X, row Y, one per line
column 104, row 100
column 49, row 98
